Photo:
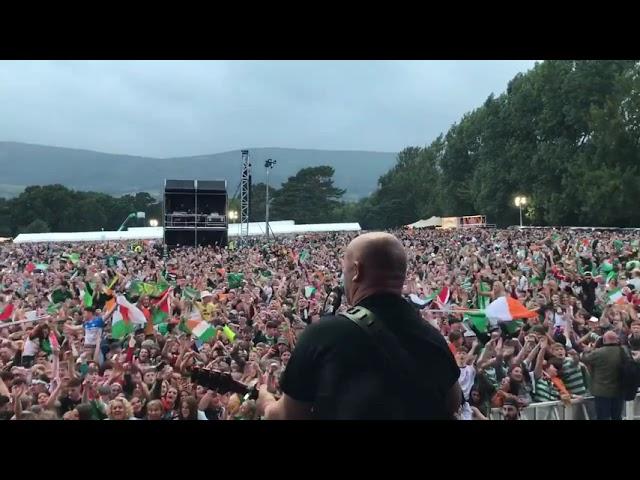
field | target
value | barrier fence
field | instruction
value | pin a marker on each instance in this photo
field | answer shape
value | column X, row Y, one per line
column 582, row 409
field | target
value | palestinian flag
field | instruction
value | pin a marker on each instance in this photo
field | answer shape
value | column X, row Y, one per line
column 126, row 318
column 443, row 296
column 161, row 309
column 199, row 328
column 422, row 302
column 616, row 296
column 506, row 309
column 6, row 312
column 235, row 280
column 308, row 291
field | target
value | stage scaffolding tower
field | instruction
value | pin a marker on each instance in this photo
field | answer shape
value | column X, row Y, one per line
column 245, row 192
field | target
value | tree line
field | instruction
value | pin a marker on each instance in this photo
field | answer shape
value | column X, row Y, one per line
column 566, row 135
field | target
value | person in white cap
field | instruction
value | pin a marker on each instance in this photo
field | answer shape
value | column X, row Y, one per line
column 207, row 308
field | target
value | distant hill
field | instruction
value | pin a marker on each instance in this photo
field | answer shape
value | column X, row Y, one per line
column 26, row 164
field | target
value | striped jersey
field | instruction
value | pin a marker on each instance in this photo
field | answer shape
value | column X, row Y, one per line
column 545, row 391
column 571, row 375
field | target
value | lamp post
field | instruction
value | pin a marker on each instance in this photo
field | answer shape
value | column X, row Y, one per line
column 233, row 216
column 269, row 164
column 521, row 201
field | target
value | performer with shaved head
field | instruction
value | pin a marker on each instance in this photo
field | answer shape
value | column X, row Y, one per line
column 380, row 360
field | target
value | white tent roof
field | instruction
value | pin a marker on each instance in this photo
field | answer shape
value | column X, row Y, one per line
column 432, row 222
column 155, row 233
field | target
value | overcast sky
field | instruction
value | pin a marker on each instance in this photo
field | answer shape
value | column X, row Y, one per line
column 180, row 108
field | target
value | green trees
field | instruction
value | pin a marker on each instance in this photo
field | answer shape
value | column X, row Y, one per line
column 565, row 134
column 307, row 197
column 56, row 208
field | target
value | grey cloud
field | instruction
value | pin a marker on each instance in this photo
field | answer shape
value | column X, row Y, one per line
column 177, row 108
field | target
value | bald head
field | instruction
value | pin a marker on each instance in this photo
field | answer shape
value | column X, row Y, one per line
column 374, row 263
column 610, row 338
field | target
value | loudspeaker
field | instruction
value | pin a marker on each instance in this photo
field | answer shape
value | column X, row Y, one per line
column 195, row 213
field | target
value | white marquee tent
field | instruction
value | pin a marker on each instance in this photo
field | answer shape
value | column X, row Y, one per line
column 283, row 227
column 431, row 222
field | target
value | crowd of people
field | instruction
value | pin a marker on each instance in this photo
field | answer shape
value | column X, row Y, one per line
column 125, row 331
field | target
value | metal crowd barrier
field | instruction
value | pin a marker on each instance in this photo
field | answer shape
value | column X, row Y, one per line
column 583, row 409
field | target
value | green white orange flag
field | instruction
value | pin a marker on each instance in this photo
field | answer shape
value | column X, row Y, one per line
column 616, row 296
column 200, row 329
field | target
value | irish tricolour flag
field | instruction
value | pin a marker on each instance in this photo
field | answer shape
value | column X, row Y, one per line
column 199, row 328
column 126, row 318
column 616, row 296
column 506, row 309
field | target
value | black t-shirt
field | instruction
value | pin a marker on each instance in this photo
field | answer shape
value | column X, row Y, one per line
column 66, row 405
column 337, row 367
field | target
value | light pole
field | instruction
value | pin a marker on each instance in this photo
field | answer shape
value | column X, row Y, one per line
column 269, row 164
column 521, row 201
column 233, row 215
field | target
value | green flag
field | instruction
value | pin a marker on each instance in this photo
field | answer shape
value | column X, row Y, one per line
column 231, row 335
column 191, row 293
column 42, row 266
column 235, row 280
column 483, row 302
column 512, row 327
column 87, row 298
column 53, row 308
column 58, row 296
column 308, row 291
column 72, row 257
column 618, row 245
column 304, row 255
column 478, row 321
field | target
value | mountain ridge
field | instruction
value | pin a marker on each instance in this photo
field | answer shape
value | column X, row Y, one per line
column 25, row 164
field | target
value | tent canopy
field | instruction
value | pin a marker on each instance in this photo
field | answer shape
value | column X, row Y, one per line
column 282, row 227
column 431, row 222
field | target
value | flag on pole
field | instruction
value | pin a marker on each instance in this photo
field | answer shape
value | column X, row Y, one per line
column 506, row 309
column 308, row 291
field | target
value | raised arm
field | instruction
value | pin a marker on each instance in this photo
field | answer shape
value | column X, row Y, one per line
column 537, row 372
